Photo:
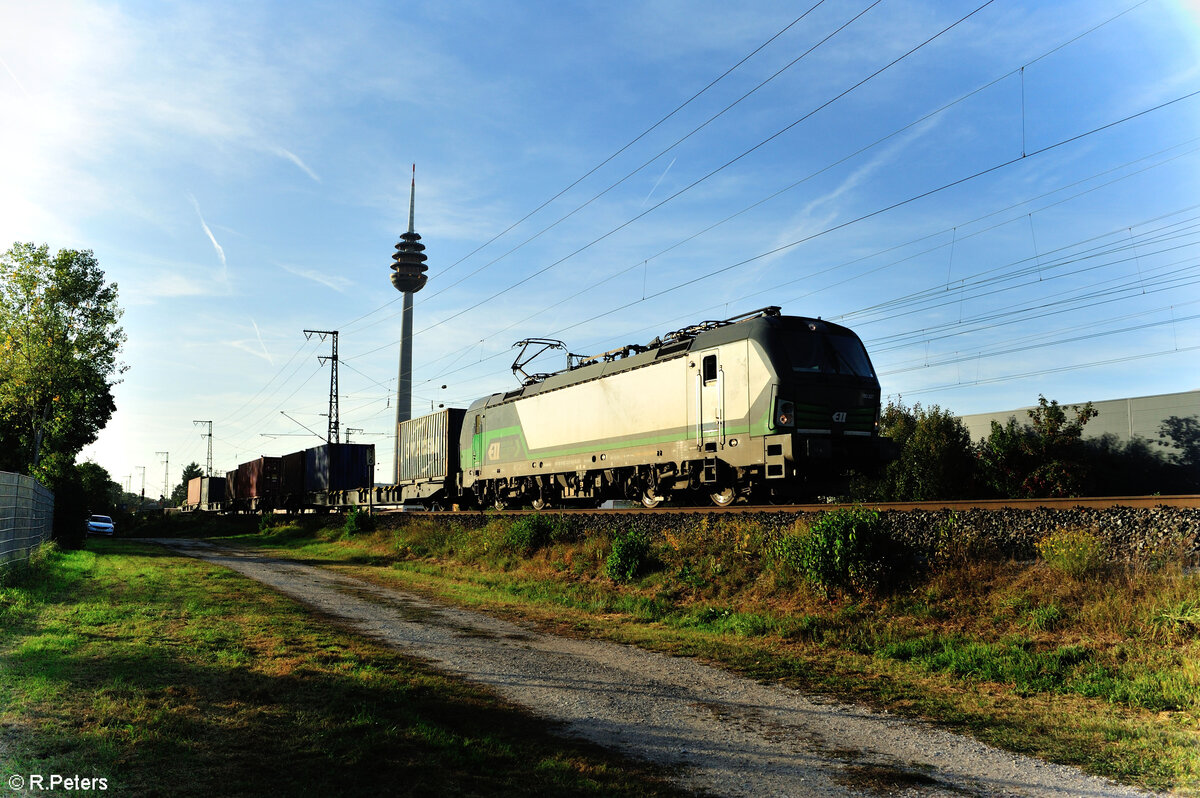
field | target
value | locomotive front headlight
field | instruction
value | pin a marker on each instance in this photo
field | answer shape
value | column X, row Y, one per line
column 785, row 413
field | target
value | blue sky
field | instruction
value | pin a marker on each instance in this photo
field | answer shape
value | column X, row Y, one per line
column 1010, row 209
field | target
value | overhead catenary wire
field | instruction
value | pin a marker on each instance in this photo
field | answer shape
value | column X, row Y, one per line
column 699, row 180
column 607, row 160
column 650, row 297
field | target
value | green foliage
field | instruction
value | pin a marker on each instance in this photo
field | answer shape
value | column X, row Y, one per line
column 1013, row 662
column 1045, row 458
column 843, row 550
column 100, row 492
column 531, row 532
column 29, row 571
column 1075, row 552
column 59, row 341
column 935, row 460
column 1043, row 617
column 629, row 555
column 357, row 520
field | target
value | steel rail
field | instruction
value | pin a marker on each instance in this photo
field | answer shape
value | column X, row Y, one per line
column 1189, row 501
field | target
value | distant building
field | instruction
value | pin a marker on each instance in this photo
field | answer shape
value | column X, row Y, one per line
column 1125, row 418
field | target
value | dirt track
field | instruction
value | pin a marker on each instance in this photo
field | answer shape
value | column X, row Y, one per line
column 724, row 734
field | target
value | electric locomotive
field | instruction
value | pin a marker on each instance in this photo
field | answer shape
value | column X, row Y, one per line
column 758, row 406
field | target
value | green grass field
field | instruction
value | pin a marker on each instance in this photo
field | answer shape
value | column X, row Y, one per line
column 167, row 676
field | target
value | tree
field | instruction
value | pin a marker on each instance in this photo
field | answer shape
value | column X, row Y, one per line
column 59, row 341
column 935, row 458
column 190, row 472
column 101, row 494
column 1042, row 459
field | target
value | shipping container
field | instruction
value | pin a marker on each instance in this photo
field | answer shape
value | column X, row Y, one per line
column 259, row 478
column 193, row 491
column 231, row 491
column 291, row 479
column 427, row 447
column 203, row 492
column 339, row 466
column 212, row 491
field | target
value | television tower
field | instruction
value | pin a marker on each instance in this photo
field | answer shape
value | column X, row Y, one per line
column 408, row 277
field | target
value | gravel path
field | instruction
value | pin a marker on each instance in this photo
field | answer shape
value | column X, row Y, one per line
column 722, row 734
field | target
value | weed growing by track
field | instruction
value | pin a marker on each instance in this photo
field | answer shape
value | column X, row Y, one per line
column 1092, row 666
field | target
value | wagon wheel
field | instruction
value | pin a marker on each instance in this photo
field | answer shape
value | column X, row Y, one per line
column 539, row 503
column 723, row 497
column 500, row 503
column 650, row 499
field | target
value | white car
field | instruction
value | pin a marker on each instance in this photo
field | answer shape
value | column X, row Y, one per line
column 100, row 525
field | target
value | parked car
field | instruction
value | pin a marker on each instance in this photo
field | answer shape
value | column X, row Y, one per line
column 100, row 525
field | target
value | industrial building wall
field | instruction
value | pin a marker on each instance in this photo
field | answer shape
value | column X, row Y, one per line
column 1125, row 418
column 26, row 516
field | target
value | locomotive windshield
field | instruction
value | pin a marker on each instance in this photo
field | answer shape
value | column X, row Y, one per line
column 824, row 352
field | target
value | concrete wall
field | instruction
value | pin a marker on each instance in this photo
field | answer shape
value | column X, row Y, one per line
column 26, row 516
column 1126, row 418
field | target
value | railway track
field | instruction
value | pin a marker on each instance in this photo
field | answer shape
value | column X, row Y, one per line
column 1191, row 501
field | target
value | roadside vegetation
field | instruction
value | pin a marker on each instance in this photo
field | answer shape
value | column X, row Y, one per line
column 164, row 675
column 1070, row 657
column 1043, row 455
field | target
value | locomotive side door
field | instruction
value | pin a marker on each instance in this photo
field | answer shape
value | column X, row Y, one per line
column 707, row 410
column 477, row 443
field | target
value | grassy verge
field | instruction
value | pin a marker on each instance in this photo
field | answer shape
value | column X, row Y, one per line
column 167, row 676
column 1094, row 667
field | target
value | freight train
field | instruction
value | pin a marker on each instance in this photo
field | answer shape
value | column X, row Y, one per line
column 329, row 477
column 760, row 406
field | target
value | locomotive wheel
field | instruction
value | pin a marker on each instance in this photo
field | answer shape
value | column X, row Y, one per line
column 650, row 499
column 539, row 503
column 500, row 503
column 723, row 497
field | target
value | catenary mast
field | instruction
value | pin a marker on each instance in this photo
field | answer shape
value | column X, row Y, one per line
column 408, row 277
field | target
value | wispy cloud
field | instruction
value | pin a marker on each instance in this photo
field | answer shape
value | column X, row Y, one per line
column 656, row 182
column 339, row 284
column 216, row 245
column 258, row 333
column 14, row 77
column 294, row 158
column 254, row 346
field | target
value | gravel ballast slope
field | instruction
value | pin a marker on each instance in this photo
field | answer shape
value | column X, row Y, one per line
column 721, row 733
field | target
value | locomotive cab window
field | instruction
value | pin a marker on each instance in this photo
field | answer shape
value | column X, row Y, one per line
column 709, row 368
column 827, row 353
column 478, row 424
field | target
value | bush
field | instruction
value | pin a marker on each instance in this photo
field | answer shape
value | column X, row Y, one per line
column 357, row 520
column 935, row 457
column 629, row 556
column 531, row 532
column 1075, row 552
column 843, row 550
